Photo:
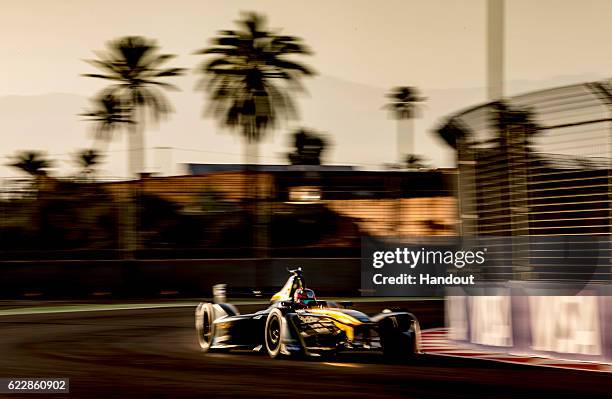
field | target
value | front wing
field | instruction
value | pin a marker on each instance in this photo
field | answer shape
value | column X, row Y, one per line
column 315, row 335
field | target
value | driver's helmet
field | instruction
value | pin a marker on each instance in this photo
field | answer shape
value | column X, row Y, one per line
column 304, row 296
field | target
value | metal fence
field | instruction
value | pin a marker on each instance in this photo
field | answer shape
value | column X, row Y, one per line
column 538, row 165
column 220, row 215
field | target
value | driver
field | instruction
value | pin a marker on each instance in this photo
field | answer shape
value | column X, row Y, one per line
column 304, row 297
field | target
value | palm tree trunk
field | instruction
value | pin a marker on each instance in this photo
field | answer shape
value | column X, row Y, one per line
column 248, row 184
column 256, row 197
column 399, row 141
column 405, row 139
column 100, row 145
column 129, row 212
column 136, row 144
column 261, row 208
column 410, row 139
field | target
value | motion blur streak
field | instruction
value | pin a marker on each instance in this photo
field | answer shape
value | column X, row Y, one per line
column 352, row 365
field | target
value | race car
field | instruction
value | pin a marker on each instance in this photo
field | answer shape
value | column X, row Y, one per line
column 297, row 323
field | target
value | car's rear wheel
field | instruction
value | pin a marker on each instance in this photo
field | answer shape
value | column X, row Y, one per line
column 204, row 317
column 398, row 338
column 273, row 333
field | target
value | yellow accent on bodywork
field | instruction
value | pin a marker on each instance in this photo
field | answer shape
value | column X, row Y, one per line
column 348, row 330
column 341, row 320
column 336, row 315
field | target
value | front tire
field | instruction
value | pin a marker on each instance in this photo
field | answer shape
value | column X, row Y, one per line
column 204, row 317
column 273, row 333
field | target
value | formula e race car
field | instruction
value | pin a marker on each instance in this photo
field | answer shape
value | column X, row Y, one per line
column 297, row 323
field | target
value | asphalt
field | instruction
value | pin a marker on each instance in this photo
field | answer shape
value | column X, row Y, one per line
column 153, row 353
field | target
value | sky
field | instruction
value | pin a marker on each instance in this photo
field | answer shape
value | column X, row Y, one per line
column 361, row 50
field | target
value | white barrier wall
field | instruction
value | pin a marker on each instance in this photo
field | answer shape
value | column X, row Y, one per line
column 565, row 324
column 568, row 327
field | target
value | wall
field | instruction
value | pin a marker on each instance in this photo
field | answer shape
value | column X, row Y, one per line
column 185, row 278
column 577, row 327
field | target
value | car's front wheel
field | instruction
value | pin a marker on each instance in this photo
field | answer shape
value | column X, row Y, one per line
column 204, row 317
column 273, row 333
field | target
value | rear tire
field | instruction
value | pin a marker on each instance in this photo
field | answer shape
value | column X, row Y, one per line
column 204, row 318
column 397, row 344
column 273, row 333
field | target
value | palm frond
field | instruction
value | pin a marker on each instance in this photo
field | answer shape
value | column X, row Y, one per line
column 133, row 63
column 107, row 114
column 249, row 77
column 403, row 101
column 172, row 72
column 34, row 163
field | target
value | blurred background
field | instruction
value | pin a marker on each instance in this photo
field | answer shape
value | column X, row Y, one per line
column 183, row 132
column 151, row 150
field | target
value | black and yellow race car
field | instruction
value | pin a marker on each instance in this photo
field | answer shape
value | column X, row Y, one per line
column 297, row 323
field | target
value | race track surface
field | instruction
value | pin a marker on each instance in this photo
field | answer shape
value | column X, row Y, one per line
column 153, row 353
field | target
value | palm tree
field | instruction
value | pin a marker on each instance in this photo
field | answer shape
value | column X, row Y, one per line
column 414, row 162
column 250, row 77
column 308, row 148
column 249, row 80
column 87, row 160
column 507, row 118
column 403, row 104
column 33, row 163
column 452, row 131
column 108, row 115
column 132, row 64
